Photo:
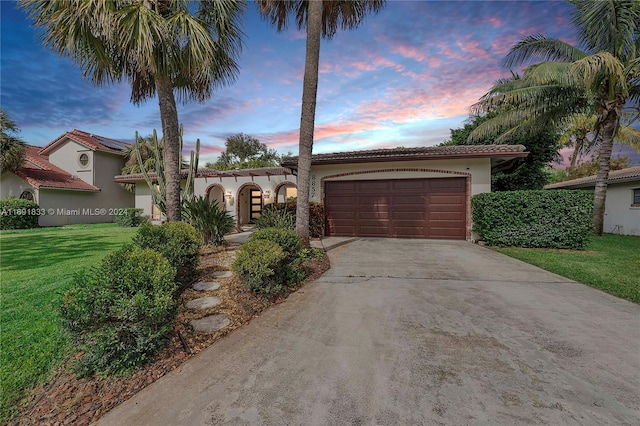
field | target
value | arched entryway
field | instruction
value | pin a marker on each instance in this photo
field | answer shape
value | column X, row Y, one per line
column 216, row 192
column 285, row 191
column 249, row 204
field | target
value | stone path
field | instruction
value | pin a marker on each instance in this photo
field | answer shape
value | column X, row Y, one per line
column 214, row 322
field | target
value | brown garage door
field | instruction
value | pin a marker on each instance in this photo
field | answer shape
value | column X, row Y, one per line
column 402, row 208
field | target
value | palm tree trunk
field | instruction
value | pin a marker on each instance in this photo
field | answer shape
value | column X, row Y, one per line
column 172, row 154
column 609, row 127
column 307, row 118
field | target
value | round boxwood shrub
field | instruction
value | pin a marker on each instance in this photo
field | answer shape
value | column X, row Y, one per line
column 259, row 265
column 16, row 213
column 287, row 239
column 179, row 242
column 122, row 311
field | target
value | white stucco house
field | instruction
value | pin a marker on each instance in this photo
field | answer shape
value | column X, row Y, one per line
column 622, row 205
column 400, row 192
column 71, row 178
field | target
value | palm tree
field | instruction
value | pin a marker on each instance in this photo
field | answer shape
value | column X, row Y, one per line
column 162, row 48
column 12, row 148
column 321, row 19
column 601, row 81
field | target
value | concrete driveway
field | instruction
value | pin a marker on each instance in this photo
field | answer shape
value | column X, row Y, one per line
column 407, row 332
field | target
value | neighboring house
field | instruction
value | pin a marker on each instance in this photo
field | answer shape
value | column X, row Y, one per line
column 400, row 192
column 243, row 192
column 622, row 205
column 71, row 179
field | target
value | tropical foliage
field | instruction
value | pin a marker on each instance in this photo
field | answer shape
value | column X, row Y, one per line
column 162, row 48
column 12, row 148
column 601, row 80
column 320, row 19
column 245, row 152
column 211, row 220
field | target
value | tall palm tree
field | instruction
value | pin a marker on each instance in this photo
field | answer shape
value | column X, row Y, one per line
column 162, row 48
column 602, row 80
column 12, row 148
column 321, row 19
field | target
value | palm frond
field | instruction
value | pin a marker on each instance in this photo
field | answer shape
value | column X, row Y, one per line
column 601, row 68
column 541, row 48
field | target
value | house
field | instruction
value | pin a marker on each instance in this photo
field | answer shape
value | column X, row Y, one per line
column 243, row 192
column 622, row 205
column 71, row 179
column 401, row 192
column 404, row 192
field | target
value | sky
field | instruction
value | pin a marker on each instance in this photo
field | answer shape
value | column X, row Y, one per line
column 405, row 77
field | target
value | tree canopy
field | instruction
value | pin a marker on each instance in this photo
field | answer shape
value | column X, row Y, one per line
column 12, row 148
column 245, row 152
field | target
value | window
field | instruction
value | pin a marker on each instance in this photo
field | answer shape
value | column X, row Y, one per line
column 83, row 159
column 636, row 197
column 27, row 195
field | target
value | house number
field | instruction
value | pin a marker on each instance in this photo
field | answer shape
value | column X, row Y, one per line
column 313, row 186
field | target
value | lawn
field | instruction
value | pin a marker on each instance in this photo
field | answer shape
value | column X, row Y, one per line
column 609, row 263
column 36, row 268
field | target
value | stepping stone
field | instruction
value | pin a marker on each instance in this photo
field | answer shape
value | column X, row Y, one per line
column 203, row 303
column 210, row 324
column 206, row 286
column 222, row 274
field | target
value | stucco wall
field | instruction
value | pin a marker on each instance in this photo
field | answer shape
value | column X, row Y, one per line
column 479, row 170
column 12, row 185
column 620, row 217
column 107, row 166
column 143, row 198
column 71, row 207
column 66, row 157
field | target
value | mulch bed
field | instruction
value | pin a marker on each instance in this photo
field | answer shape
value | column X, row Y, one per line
column 69, row 400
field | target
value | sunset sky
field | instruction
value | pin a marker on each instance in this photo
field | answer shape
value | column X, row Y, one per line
column 404, row 78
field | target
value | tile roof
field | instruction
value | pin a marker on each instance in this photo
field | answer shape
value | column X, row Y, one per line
column 91, row 141
column 212, row 173
column 39, row 172
column 420, row 153
column 624, row 175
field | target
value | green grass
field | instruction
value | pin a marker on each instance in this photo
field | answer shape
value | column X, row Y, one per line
column 610, row 263
column 36, row 268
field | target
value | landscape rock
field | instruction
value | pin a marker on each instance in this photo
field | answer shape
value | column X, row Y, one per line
column 203, row 303
column 210, row 324
column 206, row 286
column 222, row 274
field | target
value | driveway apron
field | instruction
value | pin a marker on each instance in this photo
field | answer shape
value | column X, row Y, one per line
column 414, row 332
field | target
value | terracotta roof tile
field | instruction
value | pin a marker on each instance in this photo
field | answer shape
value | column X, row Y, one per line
column 419, row 153
column 39, row 172
column 212, row 173
column 628, row 174
column 91, row 141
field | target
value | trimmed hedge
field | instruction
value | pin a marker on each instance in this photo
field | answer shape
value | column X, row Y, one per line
column 178, row 242
column 122, row 312
column 130, row 217
column 539, row 219
column 258, row 264
column 316, row 216
column 16, row 213
column 287, row 239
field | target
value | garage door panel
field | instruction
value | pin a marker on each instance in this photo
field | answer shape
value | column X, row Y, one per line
column 410, row 208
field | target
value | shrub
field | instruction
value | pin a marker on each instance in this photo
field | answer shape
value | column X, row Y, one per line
column 121, row 312
column 541, row 219
column 177, row 241
column 210, row 220
column 258, row 264
column 276, row 218
column 316, row 216
column 16, row 213
column 130, row 218
column 287, row 239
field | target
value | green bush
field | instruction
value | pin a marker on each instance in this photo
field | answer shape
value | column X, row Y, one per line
column 540, row 219
column 287, row 239
column 121, row 313
column 316, row 216
column 130, row 218
column 16, row 213
column 276, row 218
column 258, row 264
column 210, row 220
column 178, row 242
